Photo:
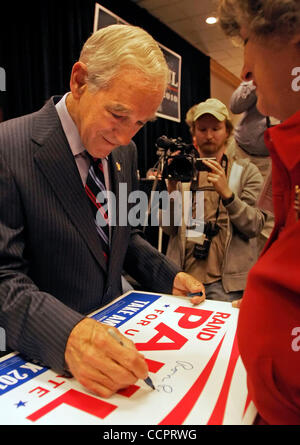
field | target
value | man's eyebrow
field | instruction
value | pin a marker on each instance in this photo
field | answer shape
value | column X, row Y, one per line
column 119, row 108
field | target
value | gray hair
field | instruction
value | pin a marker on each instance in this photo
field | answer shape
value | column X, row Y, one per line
column 276, row 18
column 122, row 46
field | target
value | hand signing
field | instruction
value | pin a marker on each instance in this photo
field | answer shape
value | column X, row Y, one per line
column 99, row 362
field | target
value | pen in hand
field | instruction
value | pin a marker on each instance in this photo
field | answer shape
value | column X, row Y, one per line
column 195, row 294
column 114, row 335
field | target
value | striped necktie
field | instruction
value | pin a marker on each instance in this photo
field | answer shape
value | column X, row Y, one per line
column 96, row 192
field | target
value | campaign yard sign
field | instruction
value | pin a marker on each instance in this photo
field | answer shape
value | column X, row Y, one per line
column 193, row 361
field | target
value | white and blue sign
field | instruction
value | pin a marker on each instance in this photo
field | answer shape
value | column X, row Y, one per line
column 15, row 371
column 124, row 309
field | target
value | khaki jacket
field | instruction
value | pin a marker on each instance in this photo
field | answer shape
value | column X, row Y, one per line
column 245, row 222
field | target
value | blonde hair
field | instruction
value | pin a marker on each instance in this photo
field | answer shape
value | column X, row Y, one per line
column 114, row 47
column 189, row 118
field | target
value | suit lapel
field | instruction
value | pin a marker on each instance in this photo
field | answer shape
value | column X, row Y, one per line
column 56, row 161
column 118, row 176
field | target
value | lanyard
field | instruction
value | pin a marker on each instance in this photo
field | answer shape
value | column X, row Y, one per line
column 224, row 164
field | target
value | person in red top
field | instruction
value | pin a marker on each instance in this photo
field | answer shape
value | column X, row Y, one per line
column 269, row 320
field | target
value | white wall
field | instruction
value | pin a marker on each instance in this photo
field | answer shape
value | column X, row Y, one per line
column 222, row 85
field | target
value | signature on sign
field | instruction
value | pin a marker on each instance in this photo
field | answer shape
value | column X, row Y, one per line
column 180, row 366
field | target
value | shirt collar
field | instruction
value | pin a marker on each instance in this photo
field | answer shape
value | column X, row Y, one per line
column 284, row 139
column 69, row 127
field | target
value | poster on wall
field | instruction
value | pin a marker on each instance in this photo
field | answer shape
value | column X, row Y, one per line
column 170, row 106
column 193, row 361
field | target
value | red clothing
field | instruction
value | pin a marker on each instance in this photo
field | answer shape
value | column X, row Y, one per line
column 270, row 309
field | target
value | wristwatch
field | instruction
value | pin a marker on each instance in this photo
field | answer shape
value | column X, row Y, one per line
column 228, row 200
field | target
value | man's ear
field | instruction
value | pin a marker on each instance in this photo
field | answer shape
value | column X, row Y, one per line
column 78, row 79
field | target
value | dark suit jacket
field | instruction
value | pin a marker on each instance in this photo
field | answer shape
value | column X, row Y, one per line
column 51, row 266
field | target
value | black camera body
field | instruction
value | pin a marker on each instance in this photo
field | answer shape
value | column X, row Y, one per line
column 183, row 166
column 200, row 166
column 180, row 167
column 201, row 251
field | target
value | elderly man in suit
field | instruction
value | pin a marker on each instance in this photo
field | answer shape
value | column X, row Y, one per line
column 57, row 263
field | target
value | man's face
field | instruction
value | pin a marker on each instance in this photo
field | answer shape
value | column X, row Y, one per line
column 112, row 116
column 210, row 134
column 269, row 63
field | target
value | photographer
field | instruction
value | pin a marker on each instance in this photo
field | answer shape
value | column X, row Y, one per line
column 223, row 252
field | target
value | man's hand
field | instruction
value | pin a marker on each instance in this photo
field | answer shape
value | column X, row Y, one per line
column 217, row 178
column 99, row 362
column 185, row 283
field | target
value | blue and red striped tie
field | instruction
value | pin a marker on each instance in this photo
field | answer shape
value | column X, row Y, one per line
column 95, row 190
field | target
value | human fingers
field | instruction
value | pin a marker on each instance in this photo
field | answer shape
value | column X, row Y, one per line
column 123, row 351
column 213, row 165
column 197, row 299
column 186, row 284
column 90, row 347
column 213, row 177
column 106, row 378
column 237, row 303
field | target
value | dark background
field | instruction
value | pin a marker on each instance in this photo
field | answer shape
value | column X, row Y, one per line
column 41, row 39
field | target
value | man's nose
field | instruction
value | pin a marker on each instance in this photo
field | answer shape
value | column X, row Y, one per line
column 209, row 134
column 246, row 74
column 124, row 135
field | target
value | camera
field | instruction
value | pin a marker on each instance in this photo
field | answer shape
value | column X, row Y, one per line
column 183, row 166
column 201, row 251
column 180, row 167
column 200, row 166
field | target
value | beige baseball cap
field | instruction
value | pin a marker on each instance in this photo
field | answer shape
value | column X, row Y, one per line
column 211, row 106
